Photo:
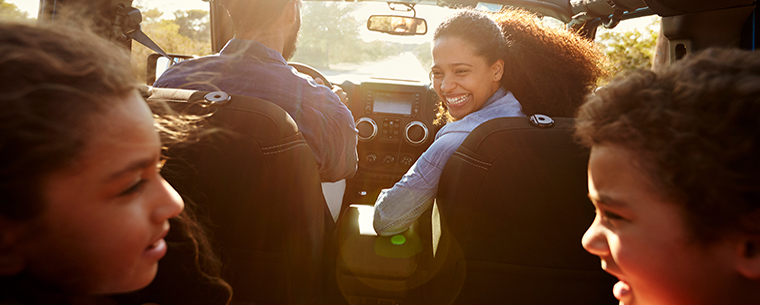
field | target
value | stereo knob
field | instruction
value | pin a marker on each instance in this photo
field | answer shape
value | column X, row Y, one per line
column 388, row 159
column 371, row 158
column 367, row 128
column 416, row 132
column 406, row 160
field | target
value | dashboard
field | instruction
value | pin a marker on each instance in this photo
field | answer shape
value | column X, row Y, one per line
column 395, row 124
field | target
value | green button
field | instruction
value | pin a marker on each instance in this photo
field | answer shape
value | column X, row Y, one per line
column 398, row 240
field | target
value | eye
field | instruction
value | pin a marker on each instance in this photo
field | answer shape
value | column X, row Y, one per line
column 461, row 71
column 608, row 218
column 436, row 74
column 134, row 188
column 611, row 216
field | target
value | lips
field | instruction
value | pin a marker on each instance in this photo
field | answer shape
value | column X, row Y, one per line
column 156, row 244
column 621, row 290
column 157, row 249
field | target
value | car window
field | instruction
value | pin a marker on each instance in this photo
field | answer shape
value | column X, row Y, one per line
column 334, row 39
column 19, row 9
column 631, row 44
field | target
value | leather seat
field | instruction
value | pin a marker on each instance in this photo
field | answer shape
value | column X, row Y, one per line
column 255, row 185
column 513, row 206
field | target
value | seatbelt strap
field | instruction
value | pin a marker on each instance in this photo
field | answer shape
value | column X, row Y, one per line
column 128, row 19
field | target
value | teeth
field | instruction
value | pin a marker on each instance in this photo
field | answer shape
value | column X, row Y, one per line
column 459, row 100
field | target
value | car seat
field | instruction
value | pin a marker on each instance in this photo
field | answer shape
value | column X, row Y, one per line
column 256, row 188
column 513, row 207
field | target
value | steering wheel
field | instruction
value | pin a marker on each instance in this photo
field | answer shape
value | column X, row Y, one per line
column 310, row 71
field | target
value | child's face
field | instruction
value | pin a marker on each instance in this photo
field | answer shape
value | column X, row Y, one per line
column 106, row 214
column 642, row 239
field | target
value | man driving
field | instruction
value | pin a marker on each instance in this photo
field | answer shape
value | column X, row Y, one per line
column 254, row 63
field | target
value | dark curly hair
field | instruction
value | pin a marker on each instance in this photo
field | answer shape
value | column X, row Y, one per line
column 695, row 127
column 550, row 71
column 55, row 78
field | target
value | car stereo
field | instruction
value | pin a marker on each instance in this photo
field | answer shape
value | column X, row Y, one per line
column 406, row 104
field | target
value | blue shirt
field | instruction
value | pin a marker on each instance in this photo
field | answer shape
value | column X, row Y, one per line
column 245, row 67
column 398, row 207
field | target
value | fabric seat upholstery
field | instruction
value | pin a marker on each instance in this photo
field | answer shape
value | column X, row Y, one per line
column 514, row 206
column 256, row 187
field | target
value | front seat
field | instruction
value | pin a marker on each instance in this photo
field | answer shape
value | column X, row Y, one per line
column 256, row 187
column 513, row 207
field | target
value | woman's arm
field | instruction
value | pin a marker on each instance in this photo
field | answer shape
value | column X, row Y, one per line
column 398, row 207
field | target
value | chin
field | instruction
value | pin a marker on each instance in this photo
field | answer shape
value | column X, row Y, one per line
column 129, row 283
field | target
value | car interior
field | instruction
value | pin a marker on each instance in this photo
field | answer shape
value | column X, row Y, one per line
column 512, row 203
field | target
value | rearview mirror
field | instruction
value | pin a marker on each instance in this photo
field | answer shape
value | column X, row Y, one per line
column 397, row 25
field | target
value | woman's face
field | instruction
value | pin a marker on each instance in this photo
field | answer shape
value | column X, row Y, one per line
column 463, row 79
column 643, row 240
column 106, row 214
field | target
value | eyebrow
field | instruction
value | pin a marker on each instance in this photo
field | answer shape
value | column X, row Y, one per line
column 607, row 201
column 454, row 65
column 134, row 166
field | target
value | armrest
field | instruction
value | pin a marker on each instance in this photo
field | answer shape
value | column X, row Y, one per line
column 365, row 254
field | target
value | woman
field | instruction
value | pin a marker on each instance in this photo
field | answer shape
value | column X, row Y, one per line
column 84, row 210
column 483, row 68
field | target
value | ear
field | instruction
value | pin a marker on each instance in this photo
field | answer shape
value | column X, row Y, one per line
column 11, row 260
column 748, row 256
column 497, row 69
column 292, row 11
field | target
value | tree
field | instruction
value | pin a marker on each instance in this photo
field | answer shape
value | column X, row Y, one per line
column 194, row 24
column 424, row 53
column 168, row 34
column 9, row 11
column 330, row 34
column 632, row 49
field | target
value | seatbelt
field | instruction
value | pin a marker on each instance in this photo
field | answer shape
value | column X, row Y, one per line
column 128, row 21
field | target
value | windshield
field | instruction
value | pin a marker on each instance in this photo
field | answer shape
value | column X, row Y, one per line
column 334, row 39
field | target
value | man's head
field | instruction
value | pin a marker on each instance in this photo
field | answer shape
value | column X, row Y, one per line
column 254, row 19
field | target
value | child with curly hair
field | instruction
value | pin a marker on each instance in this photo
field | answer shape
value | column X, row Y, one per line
column 675, row 180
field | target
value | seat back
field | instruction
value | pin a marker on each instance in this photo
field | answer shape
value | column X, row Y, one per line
column 514, row 206
column 256, row 186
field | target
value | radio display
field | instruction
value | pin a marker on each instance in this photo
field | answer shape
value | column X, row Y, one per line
column 395, row 103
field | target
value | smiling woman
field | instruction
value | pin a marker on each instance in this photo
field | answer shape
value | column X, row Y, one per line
column 85, row 211
column 486, row 67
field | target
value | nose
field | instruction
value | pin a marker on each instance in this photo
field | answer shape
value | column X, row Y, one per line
column 168, row 203
column 595, row 240
column 447, row 84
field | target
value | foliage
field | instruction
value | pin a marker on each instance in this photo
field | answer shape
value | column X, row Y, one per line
column 187, row 34
column 632, row 49
column 9, row 11
column 194, row 24
column 424, row 54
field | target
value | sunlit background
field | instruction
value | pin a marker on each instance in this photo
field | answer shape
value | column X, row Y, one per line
column 335, row 40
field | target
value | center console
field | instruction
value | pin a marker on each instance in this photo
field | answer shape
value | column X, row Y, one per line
column 395, row 127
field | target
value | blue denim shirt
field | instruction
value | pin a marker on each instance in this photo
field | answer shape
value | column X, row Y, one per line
column 398, row 207
column 245, row 67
